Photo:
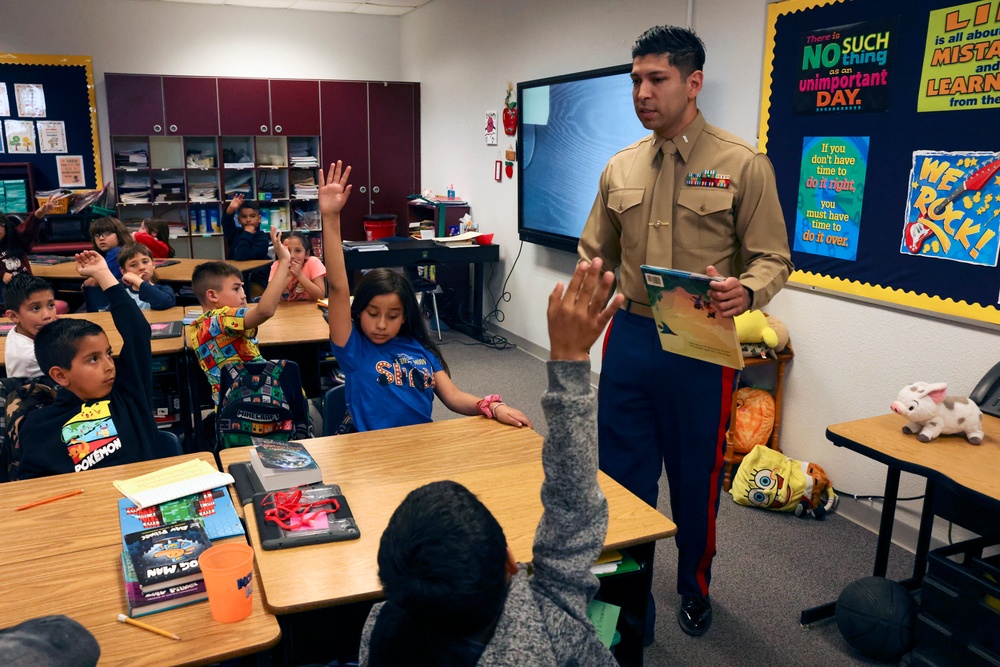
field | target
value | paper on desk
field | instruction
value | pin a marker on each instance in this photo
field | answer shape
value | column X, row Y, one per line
column 604, row 616
column 170, row 483
column 457, row 238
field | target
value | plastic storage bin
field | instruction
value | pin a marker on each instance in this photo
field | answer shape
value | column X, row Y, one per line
column 379, row 226
column 959, row 618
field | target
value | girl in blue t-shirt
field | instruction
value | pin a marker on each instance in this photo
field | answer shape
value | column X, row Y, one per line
column 393, row 370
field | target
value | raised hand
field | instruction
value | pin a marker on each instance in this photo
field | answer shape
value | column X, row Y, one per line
column 234, row 204
column 280, row 251
column 334, row 188
column 578, row 315
column 89, row 263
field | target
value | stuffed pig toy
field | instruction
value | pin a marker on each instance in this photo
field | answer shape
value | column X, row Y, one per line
column 931, row 413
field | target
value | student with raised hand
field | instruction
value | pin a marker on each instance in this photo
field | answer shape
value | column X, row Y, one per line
column 227, row 330
column 245, row 239
column 393, row 370
column 102, row 414
column 306, row 273
column 454, row 594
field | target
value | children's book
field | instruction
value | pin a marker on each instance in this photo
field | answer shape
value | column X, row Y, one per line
column 165, row 262
column 214, row 508
column 167, row 556
column 686, row 321
column 282, row 465
column 141, row 604
column 5, row 328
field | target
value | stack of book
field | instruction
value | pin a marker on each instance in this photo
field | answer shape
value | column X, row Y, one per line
column 273, row 466
column 161, row 544
column 282, row 465
column 160, row 567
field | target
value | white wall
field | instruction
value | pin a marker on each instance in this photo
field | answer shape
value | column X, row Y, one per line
column 851, row 357
column 127, row 36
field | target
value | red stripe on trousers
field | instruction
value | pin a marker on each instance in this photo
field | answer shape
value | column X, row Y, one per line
column 607, row 334
column 726, row 390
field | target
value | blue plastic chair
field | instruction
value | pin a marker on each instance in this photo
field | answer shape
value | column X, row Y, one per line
column 168, row 443
column 334, row 409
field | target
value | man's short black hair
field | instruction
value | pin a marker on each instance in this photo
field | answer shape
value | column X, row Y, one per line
column 683, row 48
column 442, row 563
column 209, row 275
column 57, row 342
column 21, row 287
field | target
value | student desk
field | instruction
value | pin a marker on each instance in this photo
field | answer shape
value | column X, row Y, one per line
column 106, row 322
column 294, row 322
column 415, row 253
column 175, row 273
column 968, row 471
column 500, row 464
column 64, row 558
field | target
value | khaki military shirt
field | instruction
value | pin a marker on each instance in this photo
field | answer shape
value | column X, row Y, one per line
column 645, row 214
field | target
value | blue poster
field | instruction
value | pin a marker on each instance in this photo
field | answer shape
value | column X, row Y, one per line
column 953, row 207
column 831, row 189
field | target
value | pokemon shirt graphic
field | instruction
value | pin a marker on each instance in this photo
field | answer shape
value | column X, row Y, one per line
column 91, row 436
column 405, row 370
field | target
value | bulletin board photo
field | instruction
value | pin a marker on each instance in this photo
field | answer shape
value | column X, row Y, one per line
column 48, row 114
column 880, row 118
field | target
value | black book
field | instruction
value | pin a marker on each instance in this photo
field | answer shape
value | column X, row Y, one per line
column 167, row 556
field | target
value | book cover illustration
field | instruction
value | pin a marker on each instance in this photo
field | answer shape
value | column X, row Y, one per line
column 283, row 456
column 141, row 604
column 685, row 320
column 167, row 556
column 214, row 508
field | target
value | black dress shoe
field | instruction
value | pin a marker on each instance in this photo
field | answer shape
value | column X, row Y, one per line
column 695, row 615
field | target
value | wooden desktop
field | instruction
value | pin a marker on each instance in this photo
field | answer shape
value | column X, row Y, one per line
column 375, row 471
column 951, row 462
column 64, row 557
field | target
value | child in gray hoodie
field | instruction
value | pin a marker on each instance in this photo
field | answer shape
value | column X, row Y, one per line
column 454, row 593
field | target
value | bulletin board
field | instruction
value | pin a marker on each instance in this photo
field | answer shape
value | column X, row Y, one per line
column 880, row 118
column 48, row 110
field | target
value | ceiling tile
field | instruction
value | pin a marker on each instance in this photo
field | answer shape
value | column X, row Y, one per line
column 325, row 5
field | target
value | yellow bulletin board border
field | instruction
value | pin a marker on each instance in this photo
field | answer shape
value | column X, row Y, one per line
column 943, row 307
column 69, row 61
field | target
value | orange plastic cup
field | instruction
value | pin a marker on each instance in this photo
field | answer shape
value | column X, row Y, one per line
column 228, row 570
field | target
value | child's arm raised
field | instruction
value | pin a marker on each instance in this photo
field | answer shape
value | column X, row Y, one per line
column 269, row 300
column 333, row 193
column 465, row 403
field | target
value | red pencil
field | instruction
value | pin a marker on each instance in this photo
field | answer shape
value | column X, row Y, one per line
column 49, row 500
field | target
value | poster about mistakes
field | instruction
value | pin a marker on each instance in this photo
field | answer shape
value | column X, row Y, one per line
column 831, row 190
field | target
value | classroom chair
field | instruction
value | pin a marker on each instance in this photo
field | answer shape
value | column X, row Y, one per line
column 422, row 286
column 334, row 408
column 168, row 443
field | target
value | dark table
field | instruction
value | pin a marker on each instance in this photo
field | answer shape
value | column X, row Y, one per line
column 417, row 253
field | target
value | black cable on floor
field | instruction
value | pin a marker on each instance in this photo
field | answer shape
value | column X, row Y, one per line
column 855, row 497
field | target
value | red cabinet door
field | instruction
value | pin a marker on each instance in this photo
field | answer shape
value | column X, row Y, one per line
column 135, row 104
column 190, row 105
column 394, row 130
column 344, row 125
column 244, row 107
column 295, row 108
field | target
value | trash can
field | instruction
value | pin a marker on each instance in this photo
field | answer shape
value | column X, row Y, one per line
column 379, row 226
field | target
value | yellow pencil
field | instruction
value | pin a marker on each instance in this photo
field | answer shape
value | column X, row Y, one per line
column 49, row 500
column 139, row 624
